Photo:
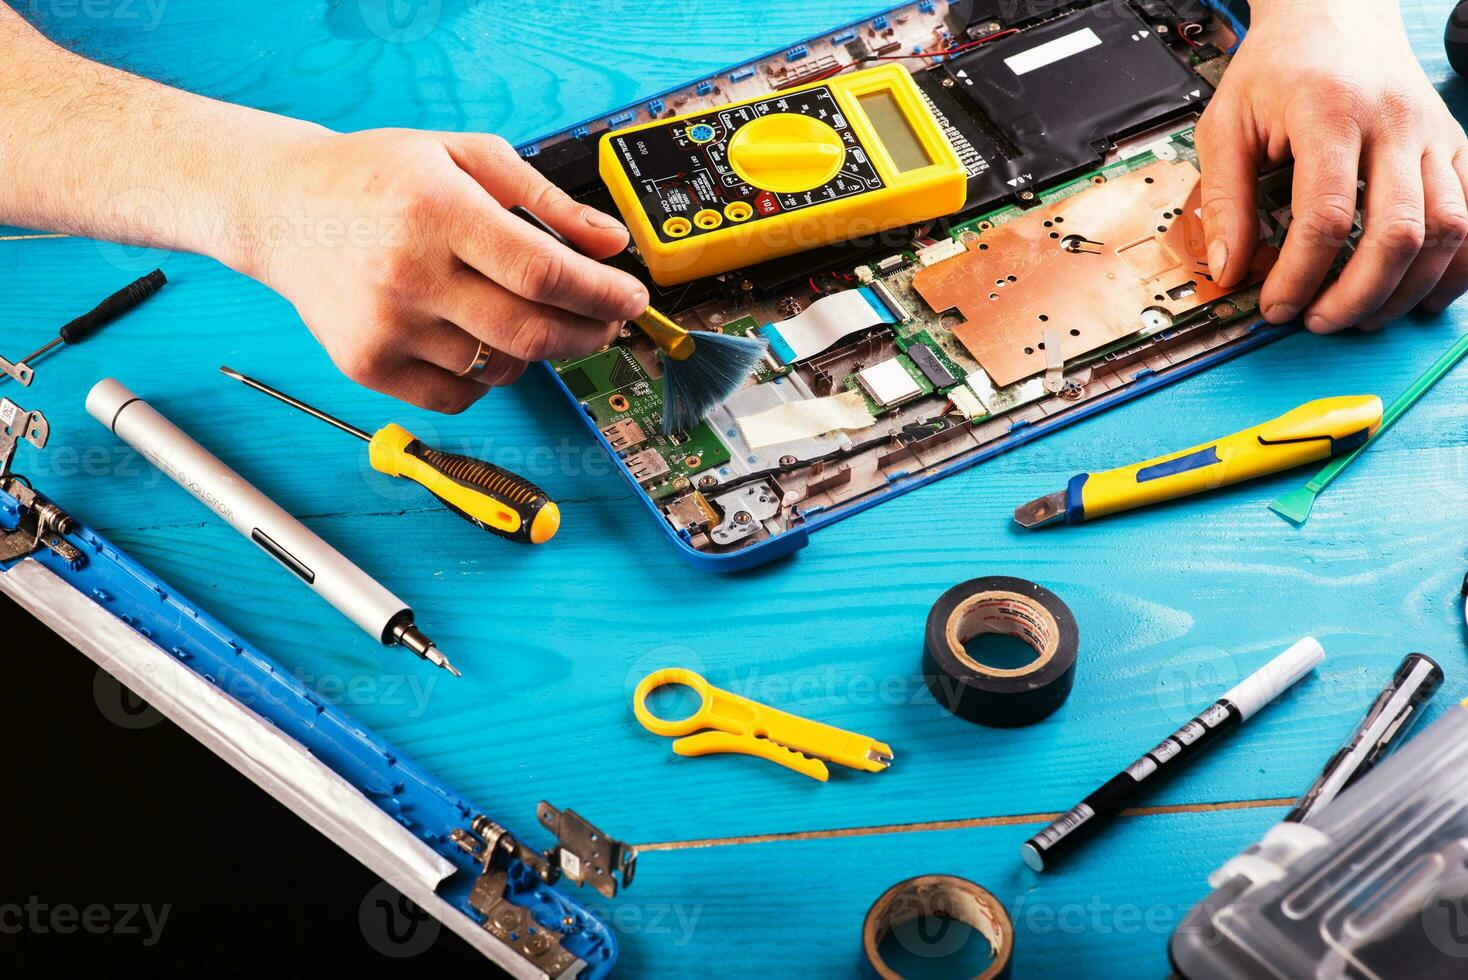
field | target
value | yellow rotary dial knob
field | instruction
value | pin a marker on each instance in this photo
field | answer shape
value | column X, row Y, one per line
column 786, row 153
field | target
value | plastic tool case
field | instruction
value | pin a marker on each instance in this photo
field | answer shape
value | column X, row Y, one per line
column 1373, row 888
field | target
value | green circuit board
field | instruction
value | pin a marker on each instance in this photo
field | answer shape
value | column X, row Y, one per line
column 616, row 390
column 624, row 395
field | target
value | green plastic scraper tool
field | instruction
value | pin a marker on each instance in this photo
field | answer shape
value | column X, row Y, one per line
column 1295, row 505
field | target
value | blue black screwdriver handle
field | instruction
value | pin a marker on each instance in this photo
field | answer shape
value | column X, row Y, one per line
column 113, row 307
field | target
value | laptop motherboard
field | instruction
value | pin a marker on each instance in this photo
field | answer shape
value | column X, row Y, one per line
column 1073, row 277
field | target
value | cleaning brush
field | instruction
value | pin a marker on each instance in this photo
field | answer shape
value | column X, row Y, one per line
column 700, row 369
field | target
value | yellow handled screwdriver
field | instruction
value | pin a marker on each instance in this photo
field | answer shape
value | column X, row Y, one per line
column 491, row 498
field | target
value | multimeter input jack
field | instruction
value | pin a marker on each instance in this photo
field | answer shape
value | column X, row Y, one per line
column 677, row 227
column 739, row 211
column 708, row 219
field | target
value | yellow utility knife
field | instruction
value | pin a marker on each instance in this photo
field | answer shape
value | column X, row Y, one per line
column 726, row 722
column 1314, row 431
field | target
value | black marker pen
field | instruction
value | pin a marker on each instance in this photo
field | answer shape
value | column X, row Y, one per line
column 1173, row 754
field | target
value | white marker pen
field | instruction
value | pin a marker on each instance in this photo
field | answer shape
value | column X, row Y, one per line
column 1172, row 755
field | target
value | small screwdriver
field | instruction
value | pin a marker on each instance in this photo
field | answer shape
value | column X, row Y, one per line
column 485, row 495
column 88, row 323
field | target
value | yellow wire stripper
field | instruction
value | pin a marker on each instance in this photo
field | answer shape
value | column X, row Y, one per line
column 726, row 722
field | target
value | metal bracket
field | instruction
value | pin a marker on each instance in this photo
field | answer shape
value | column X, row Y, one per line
column 582, row 853
column 17, row 424
column 20, row 371
column 41, row 524
column 512, row 924
column 1054, row 363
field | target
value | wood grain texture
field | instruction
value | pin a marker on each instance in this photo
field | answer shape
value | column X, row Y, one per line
column 1174, row 604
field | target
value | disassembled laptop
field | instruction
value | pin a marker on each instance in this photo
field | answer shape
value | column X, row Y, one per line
column 1074, row 276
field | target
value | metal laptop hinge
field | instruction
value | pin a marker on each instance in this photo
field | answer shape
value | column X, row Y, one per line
column 38, row 522
column 582, row 853
column 41, row 525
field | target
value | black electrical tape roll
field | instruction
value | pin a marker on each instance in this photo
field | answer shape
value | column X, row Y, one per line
column 991, row 695
column 942, row 897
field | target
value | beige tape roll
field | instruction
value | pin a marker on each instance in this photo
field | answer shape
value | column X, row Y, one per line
column 943, row 897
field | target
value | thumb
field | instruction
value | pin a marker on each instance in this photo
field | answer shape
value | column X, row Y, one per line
column 1229, row 159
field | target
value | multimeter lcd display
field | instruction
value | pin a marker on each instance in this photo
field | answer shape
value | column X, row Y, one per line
column 902, row 144
column 731, row 186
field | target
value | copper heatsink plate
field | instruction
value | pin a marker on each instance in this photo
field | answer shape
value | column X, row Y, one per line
column 1092, row 269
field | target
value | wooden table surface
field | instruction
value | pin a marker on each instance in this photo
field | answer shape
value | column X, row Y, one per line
column 746, row 868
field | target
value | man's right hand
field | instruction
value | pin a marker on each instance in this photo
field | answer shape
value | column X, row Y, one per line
column 399, row 252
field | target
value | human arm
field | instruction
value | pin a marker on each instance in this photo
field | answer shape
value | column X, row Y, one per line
column 395, row 246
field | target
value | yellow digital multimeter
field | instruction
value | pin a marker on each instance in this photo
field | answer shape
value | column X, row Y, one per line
column 813, row 165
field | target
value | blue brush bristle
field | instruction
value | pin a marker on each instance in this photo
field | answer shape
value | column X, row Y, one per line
column 720, row 364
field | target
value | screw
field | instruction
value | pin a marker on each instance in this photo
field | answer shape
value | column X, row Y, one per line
column 787, row 460
column 743, row 517
column 509, row 917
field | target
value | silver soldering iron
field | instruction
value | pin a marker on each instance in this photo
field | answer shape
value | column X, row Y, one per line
column 357, row 595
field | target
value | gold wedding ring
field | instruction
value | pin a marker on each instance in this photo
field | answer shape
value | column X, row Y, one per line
column 481, row 361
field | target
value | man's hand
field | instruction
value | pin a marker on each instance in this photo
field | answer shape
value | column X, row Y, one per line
column 1334, row 84
column 403, row 257
column 395, row 246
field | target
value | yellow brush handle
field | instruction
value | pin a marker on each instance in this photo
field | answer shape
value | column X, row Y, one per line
column 1314, row 431
column 674, row 341
column 494, row 499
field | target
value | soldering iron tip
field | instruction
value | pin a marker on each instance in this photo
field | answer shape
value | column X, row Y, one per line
column 231, row 372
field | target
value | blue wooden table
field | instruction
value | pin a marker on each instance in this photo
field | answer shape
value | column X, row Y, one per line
column 747, row 869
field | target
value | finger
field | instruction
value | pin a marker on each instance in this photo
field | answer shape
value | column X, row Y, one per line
column 1394, row 228
column 1229, row 159
column 511, row 181
column 1447, row 228
column 1454, row 281
column 531, row 264
column 524, row 330
column 446, row 346
column 424, row 385
column 1324, row 209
